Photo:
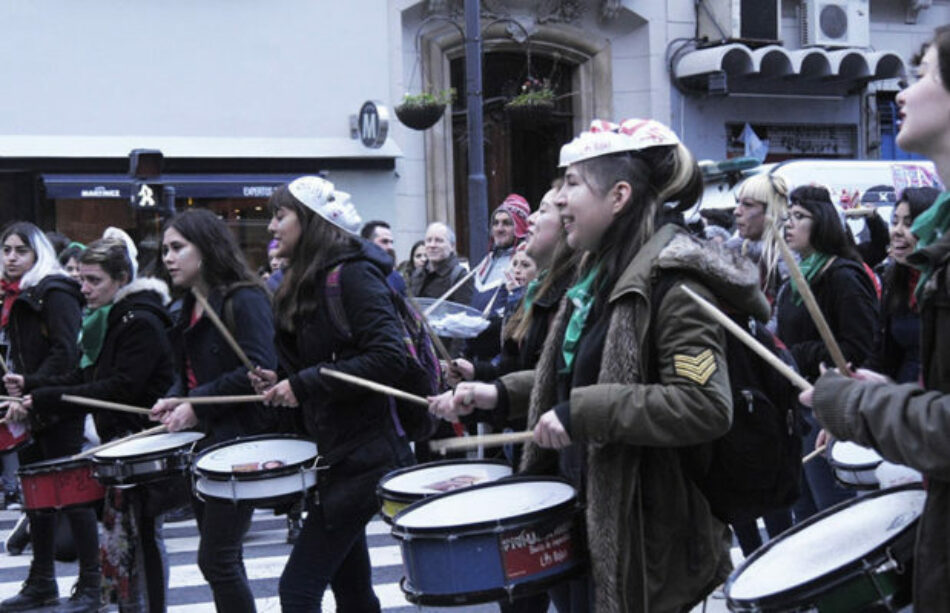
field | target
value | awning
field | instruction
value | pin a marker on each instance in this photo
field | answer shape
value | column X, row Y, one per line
column 186, row 186
column 772, row 70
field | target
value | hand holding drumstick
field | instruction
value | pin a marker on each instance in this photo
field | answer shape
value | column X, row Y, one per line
column 275, row 393
column 175, row 414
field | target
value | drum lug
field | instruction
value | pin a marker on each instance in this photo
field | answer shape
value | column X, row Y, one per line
column 890, row 564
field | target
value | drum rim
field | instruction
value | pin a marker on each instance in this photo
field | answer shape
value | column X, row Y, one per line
column 803, row 590
column 570, row 505
column 258, row 475
column 387, row 494
column 63, row 463
column 148, row 456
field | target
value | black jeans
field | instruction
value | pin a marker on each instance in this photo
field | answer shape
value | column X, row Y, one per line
column 223, row 526
column 337, row 557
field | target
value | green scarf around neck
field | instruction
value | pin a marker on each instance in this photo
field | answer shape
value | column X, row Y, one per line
column 93, row 334
column 531, row 291
column 928, row 228
column 810, row 267
column 582, row 297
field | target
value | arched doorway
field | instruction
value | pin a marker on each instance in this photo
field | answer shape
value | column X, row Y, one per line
column 520, row 156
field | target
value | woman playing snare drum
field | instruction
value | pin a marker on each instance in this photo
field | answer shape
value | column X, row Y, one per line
column 355, row 430
column 126, row 358
column 41, row 314
column 200, row 253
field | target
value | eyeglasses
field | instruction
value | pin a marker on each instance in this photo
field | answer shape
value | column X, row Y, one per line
column 796, row 216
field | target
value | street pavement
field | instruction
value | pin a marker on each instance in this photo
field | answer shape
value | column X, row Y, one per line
column 265, row 552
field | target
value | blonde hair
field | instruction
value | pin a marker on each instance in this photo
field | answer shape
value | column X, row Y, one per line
column 773, row 191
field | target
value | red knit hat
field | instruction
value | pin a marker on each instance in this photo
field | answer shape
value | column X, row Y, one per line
column 519, row 210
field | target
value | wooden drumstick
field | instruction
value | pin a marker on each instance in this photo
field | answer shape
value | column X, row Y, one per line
column 222, row 329
column 11, row 399
column 376, row 387
column 94, row 450
column 812, row 305
column 772, row 359
column 483, row 440
column 102, row 404
column 217, row 399
column 445, row 296
column 3, row 365
column 814, row 454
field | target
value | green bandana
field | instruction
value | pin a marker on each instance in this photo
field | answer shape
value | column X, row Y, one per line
column 928, row 227
column 94, row 327
column 810, row 267
column 583, row 299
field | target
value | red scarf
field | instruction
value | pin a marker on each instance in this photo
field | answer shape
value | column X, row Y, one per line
column 11, row 291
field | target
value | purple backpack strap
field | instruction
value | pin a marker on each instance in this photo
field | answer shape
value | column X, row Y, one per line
column 334, row 295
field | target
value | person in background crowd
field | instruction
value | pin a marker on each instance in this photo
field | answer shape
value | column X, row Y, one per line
column 908, row 424
column 41, row 316
column 442, row 269
column 847, row 299
column 509, row 224
column 417, row 261
column 523, row 270
column 898, row 353
column 69, row 259
column 720, row 218
column 380, row 234
column 57, row 240
column 126, row 358
column 276, row 266
column 201, row 254
column 606, row 420
column 354, row 429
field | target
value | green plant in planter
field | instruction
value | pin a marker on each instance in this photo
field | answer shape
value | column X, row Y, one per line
column 534, row 92
column 446, row 96
column 422, row 111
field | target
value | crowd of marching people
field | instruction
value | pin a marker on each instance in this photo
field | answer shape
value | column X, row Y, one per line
column 596, row 341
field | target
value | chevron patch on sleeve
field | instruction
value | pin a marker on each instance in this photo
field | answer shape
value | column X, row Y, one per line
column 698, row 368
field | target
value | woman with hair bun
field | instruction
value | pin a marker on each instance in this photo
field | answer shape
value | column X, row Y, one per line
column 623, row 383
column 41, row 315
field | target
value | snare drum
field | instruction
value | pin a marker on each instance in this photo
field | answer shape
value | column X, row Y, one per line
column 60, row 483
column 146, row 459
column 261, row 470
column 855, row 556
column 13, row 435
column 400, row 488
column 854, row 465
column 490, row 542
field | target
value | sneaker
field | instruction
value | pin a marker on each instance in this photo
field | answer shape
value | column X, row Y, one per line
column 19, row 537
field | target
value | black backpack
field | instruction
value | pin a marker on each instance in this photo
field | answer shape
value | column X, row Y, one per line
column 756, row 466
column 424, row 375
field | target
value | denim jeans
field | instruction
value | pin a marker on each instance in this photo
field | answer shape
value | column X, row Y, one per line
column 223, row 526
column 338, row 558
column 10, row 465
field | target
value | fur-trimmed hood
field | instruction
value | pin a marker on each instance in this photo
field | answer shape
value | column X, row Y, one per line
column 144, row 294
column 145, row 284
column 733, row 278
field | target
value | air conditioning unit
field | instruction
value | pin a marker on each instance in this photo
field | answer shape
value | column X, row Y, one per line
column 836, row 23
column 749, row 21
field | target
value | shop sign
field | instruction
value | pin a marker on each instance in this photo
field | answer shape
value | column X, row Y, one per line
column 257, row 191
column 99, row 191
column 373, row 124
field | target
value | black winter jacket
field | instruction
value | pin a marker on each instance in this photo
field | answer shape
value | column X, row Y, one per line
column 353, row 427
column 849, row 303
column 44, row 326
column 427, row 283
column 134, row 365
column 219, row 372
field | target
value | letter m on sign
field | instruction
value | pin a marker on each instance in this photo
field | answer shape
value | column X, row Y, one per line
column 369, row 126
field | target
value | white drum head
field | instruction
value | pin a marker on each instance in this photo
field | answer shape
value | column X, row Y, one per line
column 851, row 454
column 493, row 502
column 828, row 544
column 257, row 455
column 429, row 480
column 150, row 444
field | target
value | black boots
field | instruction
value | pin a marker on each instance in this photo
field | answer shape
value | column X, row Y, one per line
column 85, row 598
column 38, row 591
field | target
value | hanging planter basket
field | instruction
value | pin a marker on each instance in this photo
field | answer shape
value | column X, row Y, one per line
column 529, row 113
column 419, row 116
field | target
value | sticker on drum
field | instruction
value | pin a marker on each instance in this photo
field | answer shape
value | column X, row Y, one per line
column 849, row 557
column 261, row 469
column 13, row 436
column 490, row 542
column 400, row 488
column 150, row 444
column 854, row 465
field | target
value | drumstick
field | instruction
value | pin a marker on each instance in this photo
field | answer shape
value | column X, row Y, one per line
column 451, row 291
column 217, row 399
column 11, row 399
column 376, row 387
column 222, row 329
column 94, row 450
column 773, row 360
column 482, row 440
column 102, row 404
column 814, row 454
column 487, row 310
column 813, row 309
column 3, row 365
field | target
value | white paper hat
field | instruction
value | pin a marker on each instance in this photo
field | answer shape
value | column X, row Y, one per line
column 605, row 138
column 319, row 196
